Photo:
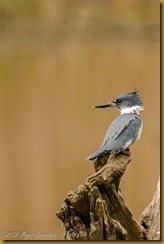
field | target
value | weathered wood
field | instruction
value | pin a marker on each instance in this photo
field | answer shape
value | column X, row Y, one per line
column 97, row 210
column 150, row 218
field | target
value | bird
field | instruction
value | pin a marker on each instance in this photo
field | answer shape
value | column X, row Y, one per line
column 126, row 128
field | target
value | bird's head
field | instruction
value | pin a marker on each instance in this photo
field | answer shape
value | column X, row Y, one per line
column 127, row 103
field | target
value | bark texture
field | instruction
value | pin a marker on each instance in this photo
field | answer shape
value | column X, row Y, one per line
column 150, row 217
column 97, row 210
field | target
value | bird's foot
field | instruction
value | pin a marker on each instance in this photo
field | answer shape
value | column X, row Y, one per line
column 126, row 152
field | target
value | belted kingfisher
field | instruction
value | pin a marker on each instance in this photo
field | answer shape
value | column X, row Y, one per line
column 126, row 128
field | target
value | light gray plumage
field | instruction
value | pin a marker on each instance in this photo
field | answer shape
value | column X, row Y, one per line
column 126, row 128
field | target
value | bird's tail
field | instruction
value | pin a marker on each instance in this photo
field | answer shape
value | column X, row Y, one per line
column 93, row 155
column 97, row 154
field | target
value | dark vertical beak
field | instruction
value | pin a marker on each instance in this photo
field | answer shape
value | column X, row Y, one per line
column 106, row 105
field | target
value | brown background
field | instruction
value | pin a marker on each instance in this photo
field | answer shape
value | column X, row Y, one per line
column 57, row 59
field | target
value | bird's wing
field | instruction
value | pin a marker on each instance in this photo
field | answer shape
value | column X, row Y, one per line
column 123, row 131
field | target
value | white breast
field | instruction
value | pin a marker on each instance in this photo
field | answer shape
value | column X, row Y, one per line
column 140, row 131
column 128, row 143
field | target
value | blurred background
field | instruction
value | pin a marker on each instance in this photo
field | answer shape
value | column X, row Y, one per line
column 58, row 58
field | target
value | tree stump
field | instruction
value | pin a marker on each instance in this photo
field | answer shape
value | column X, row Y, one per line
column 97, row 210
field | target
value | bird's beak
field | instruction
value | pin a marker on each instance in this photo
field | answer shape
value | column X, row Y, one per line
column 106, row 105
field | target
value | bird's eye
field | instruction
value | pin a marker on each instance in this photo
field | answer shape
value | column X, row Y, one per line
column 118, row 100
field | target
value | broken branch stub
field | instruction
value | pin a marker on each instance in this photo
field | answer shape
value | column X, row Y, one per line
column 150, row 218
column 97, row 210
